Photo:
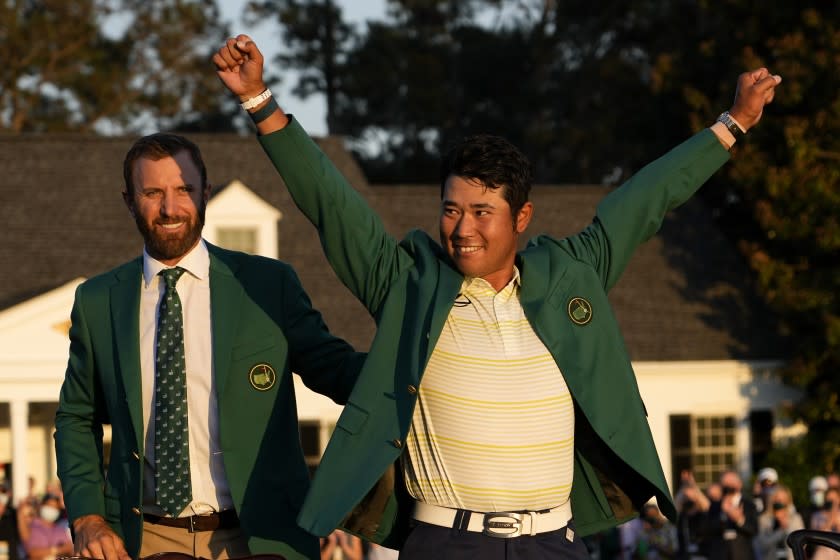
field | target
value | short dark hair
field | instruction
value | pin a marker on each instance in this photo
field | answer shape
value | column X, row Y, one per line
column 156, row 147
column 492, row 161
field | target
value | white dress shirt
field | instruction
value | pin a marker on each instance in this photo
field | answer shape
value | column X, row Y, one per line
column 209, row 484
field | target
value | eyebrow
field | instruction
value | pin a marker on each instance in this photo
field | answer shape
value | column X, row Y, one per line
column 158, row 187
column 477, row 205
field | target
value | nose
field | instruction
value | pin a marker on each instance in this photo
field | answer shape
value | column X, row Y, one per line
column 167, row 205
column 463, row 227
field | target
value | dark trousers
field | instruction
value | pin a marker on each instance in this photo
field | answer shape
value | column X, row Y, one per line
column 431, row 542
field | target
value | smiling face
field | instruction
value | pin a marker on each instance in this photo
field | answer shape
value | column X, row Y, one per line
column 478, row 231
column 168, row 200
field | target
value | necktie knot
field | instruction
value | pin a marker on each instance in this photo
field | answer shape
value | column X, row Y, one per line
column 171, row 276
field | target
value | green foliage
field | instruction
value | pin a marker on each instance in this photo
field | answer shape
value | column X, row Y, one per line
column 315, row 38
column 779, row 199
column 109, row 65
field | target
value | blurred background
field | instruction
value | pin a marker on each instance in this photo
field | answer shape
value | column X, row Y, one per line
column 590, row 91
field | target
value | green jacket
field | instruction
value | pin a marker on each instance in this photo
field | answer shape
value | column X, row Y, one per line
column 260, row 315
column 409, row 288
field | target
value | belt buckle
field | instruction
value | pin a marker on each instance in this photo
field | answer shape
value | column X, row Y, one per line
column 503, row 525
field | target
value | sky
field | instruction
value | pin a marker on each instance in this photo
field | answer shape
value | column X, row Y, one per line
column 311, row 113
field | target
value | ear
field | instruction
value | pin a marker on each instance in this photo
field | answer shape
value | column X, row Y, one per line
column 205, row 195
column 129, row 202
column 523, row 217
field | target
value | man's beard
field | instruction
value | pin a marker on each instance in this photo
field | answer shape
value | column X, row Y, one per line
column 170, row 246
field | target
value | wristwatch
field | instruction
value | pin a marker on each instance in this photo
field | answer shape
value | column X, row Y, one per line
column 731, row 125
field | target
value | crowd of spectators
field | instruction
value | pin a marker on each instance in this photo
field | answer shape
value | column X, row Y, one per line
column 35, row 527
column 728, row 520
column 721, row 521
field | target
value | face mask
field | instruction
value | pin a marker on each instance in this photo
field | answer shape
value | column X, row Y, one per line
column 49, row 513
column 4, row 499
column 818, row 499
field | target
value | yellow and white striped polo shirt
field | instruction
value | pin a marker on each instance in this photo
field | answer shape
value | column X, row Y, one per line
column 493, row 429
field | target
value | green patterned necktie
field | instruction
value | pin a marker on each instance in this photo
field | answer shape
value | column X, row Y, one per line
column 172, row 447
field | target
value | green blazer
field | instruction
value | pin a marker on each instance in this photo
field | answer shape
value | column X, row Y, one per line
column 260, row 314
column 409, row 288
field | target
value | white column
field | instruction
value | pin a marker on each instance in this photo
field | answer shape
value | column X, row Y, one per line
column 19, row 412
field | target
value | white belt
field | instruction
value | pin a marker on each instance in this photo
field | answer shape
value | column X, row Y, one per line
column 503, row 524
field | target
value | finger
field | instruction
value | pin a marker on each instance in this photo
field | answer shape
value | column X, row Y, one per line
column 120, row 552
column 230, row 54
column 93, row 549
column 759, row 74
column 222, row 65
column 769, row 82
column 234, row 51
column 109, row 549
column 249, row 47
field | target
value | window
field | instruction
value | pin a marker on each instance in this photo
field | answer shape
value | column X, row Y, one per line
column 761, row 435
column 237, row 239
column 702, row 444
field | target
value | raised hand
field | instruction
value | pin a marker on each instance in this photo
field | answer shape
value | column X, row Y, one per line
column 755, row 90
column 239, row 64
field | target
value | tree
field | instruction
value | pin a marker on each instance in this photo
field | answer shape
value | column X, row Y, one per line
column 316, row 37
column 109, row 65
column 779, row 200
column 554, row 78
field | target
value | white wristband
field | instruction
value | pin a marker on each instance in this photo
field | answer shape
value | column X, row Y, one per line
column 256, row 100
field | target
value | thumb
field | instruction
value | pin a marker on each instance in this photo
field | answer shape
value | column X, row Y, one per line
column 248, row 47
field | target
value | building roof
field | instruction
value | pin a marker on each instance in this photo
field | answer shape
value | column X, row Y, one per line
column 686, row 294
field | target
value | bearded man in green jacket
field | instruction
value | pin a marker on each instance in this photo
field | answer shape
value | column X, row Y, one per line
column 497, row 399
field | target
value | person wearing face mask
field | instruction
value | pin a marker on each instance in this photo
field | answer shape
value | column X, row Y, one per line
column 776, row 522
column 765, row 484
column 817, row 488
column 692, row 505
column 827, row 519
column 9, row 535
column 731, row 522
column 48, row 538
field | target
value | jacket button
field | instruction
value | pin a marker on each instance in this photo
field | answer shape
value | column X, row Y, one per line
column 397, row 443
column 135, row 455
column 136, row 511
column 412, row 390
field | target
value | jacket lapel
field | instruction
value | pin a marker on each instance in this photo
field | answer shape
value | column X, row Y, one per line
column 534, row 270
column 225, row 302
column 125, row 324
column 448, row 283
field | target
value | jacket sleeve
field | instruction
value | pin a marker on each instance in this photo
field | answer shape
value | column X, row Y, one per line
column 363, row 255
column 78, row 424
column 634, row 212
column 326, row 364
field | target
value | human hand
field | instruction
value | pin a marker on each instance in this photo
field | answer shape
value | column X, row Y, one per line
column 239, row 64
column 735, row 513
column 755, row 90
column 328, row 545
column 94, row 538
column 351, row 546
